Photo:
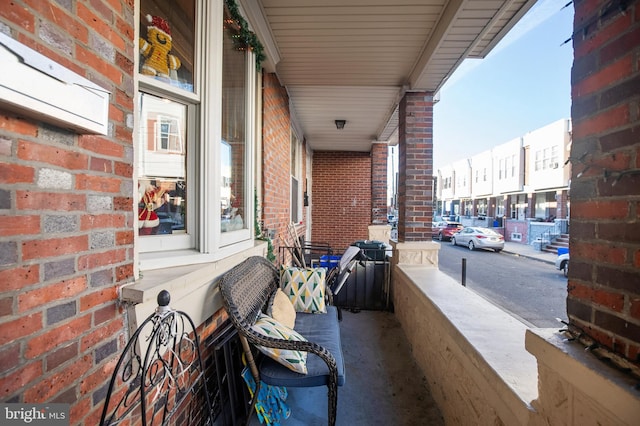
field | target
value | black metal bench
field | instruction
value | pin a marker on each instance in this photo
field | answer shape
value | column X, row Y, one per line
column 246, row 290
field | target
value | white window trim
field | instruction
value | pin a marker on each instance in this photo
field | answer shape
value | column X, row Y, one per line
column 164, row 243
column 296, row 173
column 228, row 238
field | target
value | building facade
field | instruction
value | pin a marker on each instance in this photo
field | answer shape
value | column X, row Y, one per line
column 514, row 186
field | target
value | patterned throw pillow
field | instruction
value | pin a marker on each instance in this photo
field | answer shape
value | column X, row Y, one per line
column 294, row 360
column 281, row 309
column 305, row 288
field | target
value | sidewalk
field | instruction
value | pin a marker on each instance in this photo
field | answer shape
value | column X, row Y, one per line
column 527, row 250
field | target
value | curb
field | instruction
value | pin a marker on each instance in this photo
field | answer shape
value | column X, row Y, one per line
column 539, row 259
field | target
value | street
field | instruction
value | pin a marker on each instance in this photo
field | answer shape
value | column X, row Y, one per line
column 532, row 291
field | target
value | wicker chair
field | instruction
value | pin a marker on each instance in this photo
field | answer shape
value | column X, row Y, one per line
column 246, row 289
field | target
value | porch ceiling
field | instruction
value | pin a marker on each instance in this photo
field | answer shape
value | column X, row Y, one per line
column 354, row 59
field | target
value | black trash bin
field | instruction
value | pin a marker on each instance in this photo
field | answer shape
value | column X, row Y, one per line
column 367, row 287
column 372, row 249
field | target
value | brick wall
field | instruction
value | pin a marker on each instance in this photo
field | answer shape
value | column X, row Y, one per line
column 66, row 240
column 341, row 202
column 276, row 152
column 604, row 275
column 379, row 156
column 415, row 177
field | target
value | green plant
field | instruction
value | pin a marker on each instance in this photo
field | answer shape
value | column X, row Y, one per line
column 259, row 233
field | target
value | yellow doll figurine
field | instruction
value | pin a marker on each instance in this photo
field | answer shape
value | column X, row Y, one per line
column 156, row 49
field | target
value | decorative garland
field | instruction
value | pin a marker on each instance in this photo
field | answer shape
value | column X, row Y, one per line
column 246, row 39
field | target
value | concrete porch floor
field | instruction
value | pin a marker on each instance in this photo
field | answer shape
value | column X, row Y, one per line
column 383, row 384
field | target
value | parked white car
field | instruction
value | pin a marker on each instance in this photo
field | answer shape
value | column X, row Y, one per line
column 475, row 237
column 562, row 263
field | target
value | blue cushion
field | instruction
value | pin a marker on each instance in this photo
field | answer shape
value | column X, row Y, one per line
column 322, row 329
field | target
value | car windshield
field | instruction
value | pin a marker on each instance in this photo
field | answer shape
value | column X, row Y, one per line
column 454, row 225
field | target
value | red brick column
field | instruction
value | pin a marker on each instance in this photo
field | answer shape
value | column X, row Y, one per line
column 415, row 164
column 379, row 156
column 506, row 201
column 561, row 209
column 604, row 274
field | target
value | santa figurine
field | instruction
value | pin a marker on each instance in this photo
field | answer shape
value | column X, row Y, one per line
column 147, row 217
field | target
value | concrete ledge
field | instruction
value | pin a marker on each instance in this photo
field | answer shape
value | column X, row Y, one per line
column 471, row 351
column 576, row 387
column 423, row 253
column 380, row 233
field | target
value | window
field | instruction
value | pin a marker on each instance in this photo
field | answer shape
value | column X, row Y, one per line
column 168, row 104
column 162, row 167
column 195, row 130
column 481, row 207
column 168, row 135
column 547, row 158
column 296, row 193
column 233, row 148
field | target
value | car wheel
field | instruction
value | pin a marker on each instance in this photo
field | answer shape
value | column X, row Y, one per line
column 471, row 246
column 440, row 237
column 498, row 250
column 565, row 268
column 453, row 241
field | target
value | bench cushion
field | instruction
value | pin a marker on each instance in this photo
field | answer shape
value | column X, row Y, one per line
column 322, row 329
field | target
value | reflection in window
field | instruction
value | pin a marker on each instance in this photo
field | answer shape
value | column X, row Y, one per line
column 168, row 133
column 233, row 145
column 161, row 162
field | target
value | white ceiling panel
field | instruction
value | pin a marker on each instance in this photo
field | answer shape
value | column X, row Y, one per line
column 354, row 59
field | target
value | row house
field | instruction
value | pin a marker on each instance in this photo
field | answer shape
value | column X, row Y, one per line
column 151, row 145
column 515, row 183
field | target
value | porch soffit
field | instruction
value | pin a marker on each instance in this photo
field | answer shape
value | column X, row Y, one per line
column 354, row 59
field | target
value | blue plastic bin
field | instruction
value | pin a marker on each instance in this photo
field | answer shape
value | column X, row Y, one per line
column 329, row 261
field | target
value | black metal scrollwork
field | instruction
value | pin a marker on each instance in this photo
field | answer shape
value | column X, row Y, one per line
column 160, row 372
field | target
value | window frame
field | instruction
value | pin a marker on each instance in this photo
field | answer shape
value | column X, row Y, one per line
column 296, row 175
column 188, row 240
column 204, row 241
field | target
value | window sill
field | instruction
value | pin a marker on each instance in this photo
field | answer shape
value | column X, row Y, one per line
column 192, row 287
